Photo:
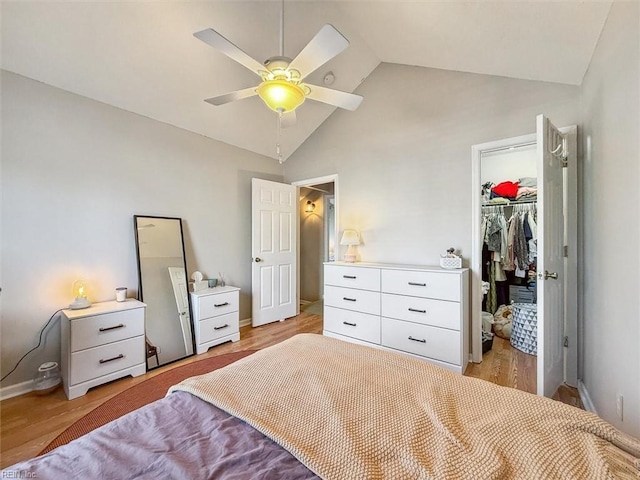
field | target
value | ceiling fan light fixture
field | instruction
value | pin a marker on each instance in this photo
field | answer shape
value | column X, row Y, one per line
column 281, row 95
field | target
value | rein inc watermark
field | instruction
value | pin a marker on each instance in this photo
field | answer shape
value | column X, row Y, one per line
column 18, row 474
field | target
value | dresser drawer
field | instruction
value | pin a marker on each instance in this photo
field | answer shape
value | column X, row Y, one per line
column 442, row 286
column 352, row 277
column 95, row 362
column 359, row 300
column 106, row 328
column 438, row 313
column 217, row 327
column 352, row 324
column 433, row 342
column 218, row 304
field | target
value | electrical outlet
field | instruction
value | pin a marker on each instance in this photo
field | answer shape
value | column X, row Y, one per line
column 619, row 406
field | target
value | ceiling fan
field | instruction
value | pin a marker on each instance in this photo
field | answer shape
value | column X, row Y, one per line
column 282, row 88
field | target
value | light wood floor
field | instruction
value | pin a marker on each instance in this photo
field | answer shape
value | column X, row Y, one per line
column 29, row 422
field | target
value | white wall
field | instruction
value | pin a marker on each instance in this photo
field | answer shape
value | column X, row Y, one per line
column 403, row 158
column 311, row 246
column 74, row 172
column 610, row 213
column 509, row 165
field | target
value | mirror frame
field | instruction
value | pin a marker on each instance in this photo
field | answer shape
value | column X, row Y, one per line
column 140, row 290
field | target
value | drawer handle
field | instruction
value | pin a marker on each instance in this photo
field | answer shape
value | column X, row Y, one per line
column 350, row 277
column 416, row 310
column 221, row 304
column 112, row 359
column 220, row 328
column 424, row 340
column 350, row 324
column 106, row 329
column 415, row 284
column 349, row 299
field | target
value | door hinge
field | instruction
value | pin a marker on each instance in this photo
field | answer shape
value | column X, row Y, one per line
column 565, row 162
column 566, row 250
column 566, row 341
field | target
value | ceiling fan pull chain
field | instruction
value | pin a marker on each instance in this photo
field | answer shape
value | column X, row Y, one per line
column 278, row 153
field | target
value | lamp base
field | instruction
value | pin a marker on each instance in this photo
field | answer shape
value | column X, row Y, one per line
column 79, row 303
column 350, row 257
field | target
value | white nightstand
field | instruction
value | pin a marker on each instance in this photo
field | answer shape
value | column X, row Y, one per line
column 101, row 343
column 216, row 316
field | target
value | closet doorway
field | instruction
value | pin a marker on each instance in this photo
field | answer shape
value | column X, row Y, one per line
column 317, row 238
column 524, row 249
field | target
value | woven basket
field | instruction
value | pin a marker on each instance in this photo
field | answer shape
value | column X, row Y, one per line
column 451, row 262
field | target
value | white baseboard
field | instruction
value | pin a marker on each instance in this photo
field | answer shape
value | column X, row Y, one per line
column 245, row 322
column 586, row 399
column 15, row 390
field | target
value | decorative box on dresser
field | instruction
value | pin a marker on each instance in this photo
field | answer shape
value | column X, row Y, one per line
column 101, row 343
column 421, row 311
column 216, row 316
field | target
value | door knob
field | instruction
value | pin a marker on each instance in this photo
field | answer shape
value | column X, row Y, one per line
column 258, row 259
column 548, row 275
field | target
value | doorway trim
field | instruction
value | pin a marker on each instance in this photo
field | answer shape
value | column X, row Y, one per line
column 476, row 241
column 570, row 192
column 309, row 183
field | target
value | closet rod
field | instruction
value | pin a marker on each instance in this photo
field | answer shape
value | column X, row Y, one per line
column 511, row 203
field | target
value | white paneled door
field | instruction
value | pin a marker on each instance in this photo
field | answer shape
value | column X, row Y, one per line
column 551, row 148
column 181, row 294
column 273, row 248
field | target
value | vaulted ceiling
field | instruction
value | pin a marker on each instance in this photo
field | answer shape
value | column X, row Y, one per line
column 142, row 57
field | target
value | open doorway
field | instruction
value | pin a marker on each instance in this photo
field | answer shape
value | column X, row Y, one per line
column 317, row 238
column 544, row 292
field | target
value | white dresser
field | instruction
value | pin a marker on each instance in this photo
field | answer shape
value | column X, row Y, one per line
column 216, row 316
column 421, row 311
column 100, row 344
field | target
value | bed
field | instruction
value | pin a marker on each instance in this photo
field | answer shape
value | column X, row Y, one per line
column 316, row 407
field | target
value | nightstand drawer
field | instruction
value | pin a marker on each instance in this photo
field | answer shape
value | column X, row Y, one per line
column 438, row 313
column 433, row 342
column 218, row 304
column 218, row 326
column 442, row 286
column 95, row 362
column 88, row 332
column 359, row 300
column 352, row 277
column 352, row 324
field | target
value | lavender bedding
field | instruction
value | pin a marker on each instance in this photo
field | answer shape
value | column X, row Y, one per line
column 177, row 437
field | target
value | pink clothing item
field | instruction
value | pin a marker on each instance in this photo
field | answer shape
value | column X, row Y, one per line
column 526, row 192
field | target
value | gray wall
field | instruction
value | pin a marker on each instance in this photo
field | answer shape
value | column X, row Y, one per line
column 403, row 158
column 311, row 246
column 74, row 172
column 610, row 213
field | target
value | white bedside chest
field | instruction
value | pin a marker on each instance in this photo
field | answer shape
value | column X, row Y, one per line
column 216, row 316
column 101, row 343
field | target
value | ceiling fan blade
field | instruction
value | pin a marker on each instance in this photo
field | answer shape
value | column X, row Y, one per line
column 327, row 43
column 348, row 101
column 213, row 38
column 288, row 119
column 232, row 97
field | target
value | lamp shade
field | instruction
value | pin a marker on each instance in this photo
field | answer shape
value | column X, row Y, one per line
column 281, row 95
column 350, row 237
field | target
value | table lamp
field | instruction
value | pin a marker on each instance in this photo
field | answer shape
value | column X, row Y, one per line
column 350, row 238
column 80, row 292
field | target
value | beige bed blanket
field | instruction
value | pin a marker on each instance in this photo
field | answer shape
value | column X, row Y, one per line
column 353, row 412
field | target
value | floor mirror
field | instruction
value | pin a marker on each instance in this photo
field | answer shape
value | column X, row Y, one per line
column 163, row 288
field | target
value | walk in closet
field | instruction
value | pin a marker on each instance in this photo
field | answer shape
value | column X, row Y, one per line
column 509, row 246
column 524, row 255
